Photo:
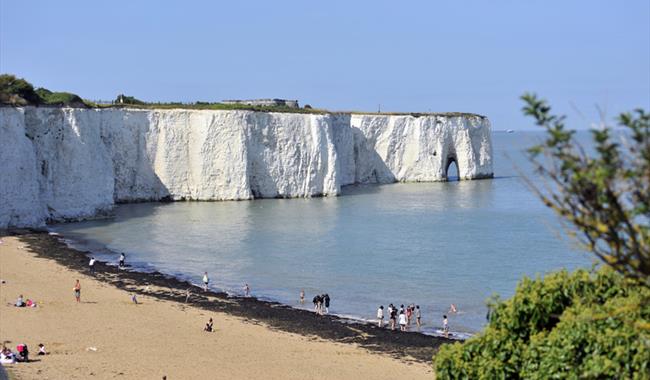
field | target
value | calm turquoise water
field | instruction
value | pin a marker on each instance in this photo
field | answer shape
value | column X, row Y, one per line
column 431, row 244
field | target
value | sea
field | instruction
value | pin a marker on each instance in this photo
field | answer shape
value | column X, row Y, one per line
column 427, row 244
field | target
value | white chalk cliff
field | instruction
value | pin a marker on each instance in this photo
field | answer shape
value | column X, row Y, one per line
column 69, row 163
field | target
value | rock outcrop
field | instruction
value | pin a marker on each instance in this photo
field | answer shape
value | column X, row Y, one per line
column 70, row 163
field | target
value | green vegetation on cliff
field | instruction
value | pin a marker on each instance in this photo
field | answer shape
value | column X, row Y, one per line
column 19, row 92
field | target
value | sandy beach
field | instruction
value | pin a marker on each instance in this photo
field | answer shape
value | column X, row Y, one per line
column 107, row 336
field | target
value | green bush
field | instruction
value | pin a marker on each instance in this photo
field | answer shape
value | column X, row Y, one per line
column 566, row 325
column 17, row 91
column 58, row 98
column 123, row 99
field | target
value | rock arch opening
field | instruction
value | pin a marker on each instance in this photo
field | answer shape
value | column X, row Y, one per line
column 454, row 173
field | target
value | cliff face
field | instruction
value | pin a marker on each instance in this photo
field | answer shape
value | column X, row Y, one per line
column 65, row 163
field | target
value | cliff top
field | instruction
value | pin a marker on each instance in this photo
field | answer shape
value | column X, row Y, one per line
column 17, row 92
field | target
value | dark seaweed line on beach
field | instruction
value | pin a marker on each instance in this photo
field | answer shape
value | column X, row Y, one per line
column 400, row 345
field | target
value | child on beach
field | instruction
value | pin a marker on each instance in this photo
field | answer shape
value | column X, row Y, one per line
column 380, row 316
column 77, row 291
column 206, row 280
column 134, row 298
column 208, row 326
column 41, row 349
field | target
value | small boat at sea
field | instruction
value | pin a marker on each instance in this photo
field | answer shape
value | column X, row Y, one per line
column 510, row 130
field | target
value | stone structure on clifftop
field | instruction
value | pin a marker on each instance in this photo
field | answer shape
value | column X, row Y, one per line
column 264, row 102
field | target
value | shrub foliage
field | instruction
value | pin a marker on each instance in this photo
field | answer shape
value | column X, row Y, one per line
column 567, row 325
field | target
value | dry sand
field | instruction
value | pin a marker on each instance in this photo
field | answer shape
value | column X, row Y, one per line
column 157, row 337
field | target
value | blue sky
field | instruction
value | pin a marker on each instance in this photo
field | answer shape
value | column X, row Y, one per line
column 475, row 56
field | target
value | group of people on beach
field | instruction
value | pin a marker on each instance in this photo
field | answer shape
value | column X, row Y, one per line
column 121, row 264
column 402, row 317
column 21, row 355
column 21, row 302
column 321, row 303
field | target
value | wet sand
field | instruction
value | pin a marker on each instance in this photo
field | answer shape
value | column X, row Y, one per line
column 163, row 335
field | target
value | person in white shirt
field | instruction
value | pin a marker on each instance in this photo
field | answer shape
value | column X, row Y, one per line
column 91, row 264
column 402, row 321
column 122, row 258
column 380, row 316
column 445, row 326
column 206, row 281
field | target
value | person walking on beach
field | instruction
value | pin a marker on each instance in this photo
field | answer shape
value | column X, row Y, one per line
column 91, row 264
column 445, row 326
column 247, row 290
column 302, row 296
column 77, row 291
column 418, row 316
column 121, row 263
column 326, row 302
column 393, row 318
column 188, row 294
column 380, row 316
column 206, row 281
column 402, row 321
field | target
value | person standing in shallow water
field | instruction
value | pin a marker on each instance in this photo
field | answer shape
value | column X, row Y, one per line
column 77, row 291
column 302, row 296
column 418, row 316
column 122, row 258
column 206, row 281
column 91, row 264
column 445, row 326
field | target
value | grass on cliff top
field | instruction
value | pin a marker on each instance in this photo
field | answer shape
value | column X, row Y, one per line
column 280, row 109
column 18, row 92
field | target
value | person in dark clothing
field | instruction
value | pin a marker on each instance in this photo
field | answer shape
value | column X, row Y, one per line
column 326, row 300
column 318, row 304
column 208, row 326
column 122, row 258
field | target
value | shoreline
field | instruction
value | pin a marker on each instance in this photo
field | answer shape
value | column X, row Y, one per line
column 405, row 346
column 88, row 249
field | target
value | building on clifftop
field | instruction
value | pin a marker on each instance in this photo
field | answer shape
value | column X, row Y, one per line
column 264, row 102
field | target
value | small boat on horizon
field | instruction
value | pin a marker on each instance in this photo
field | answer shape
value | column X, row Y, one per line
column 510, row 130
